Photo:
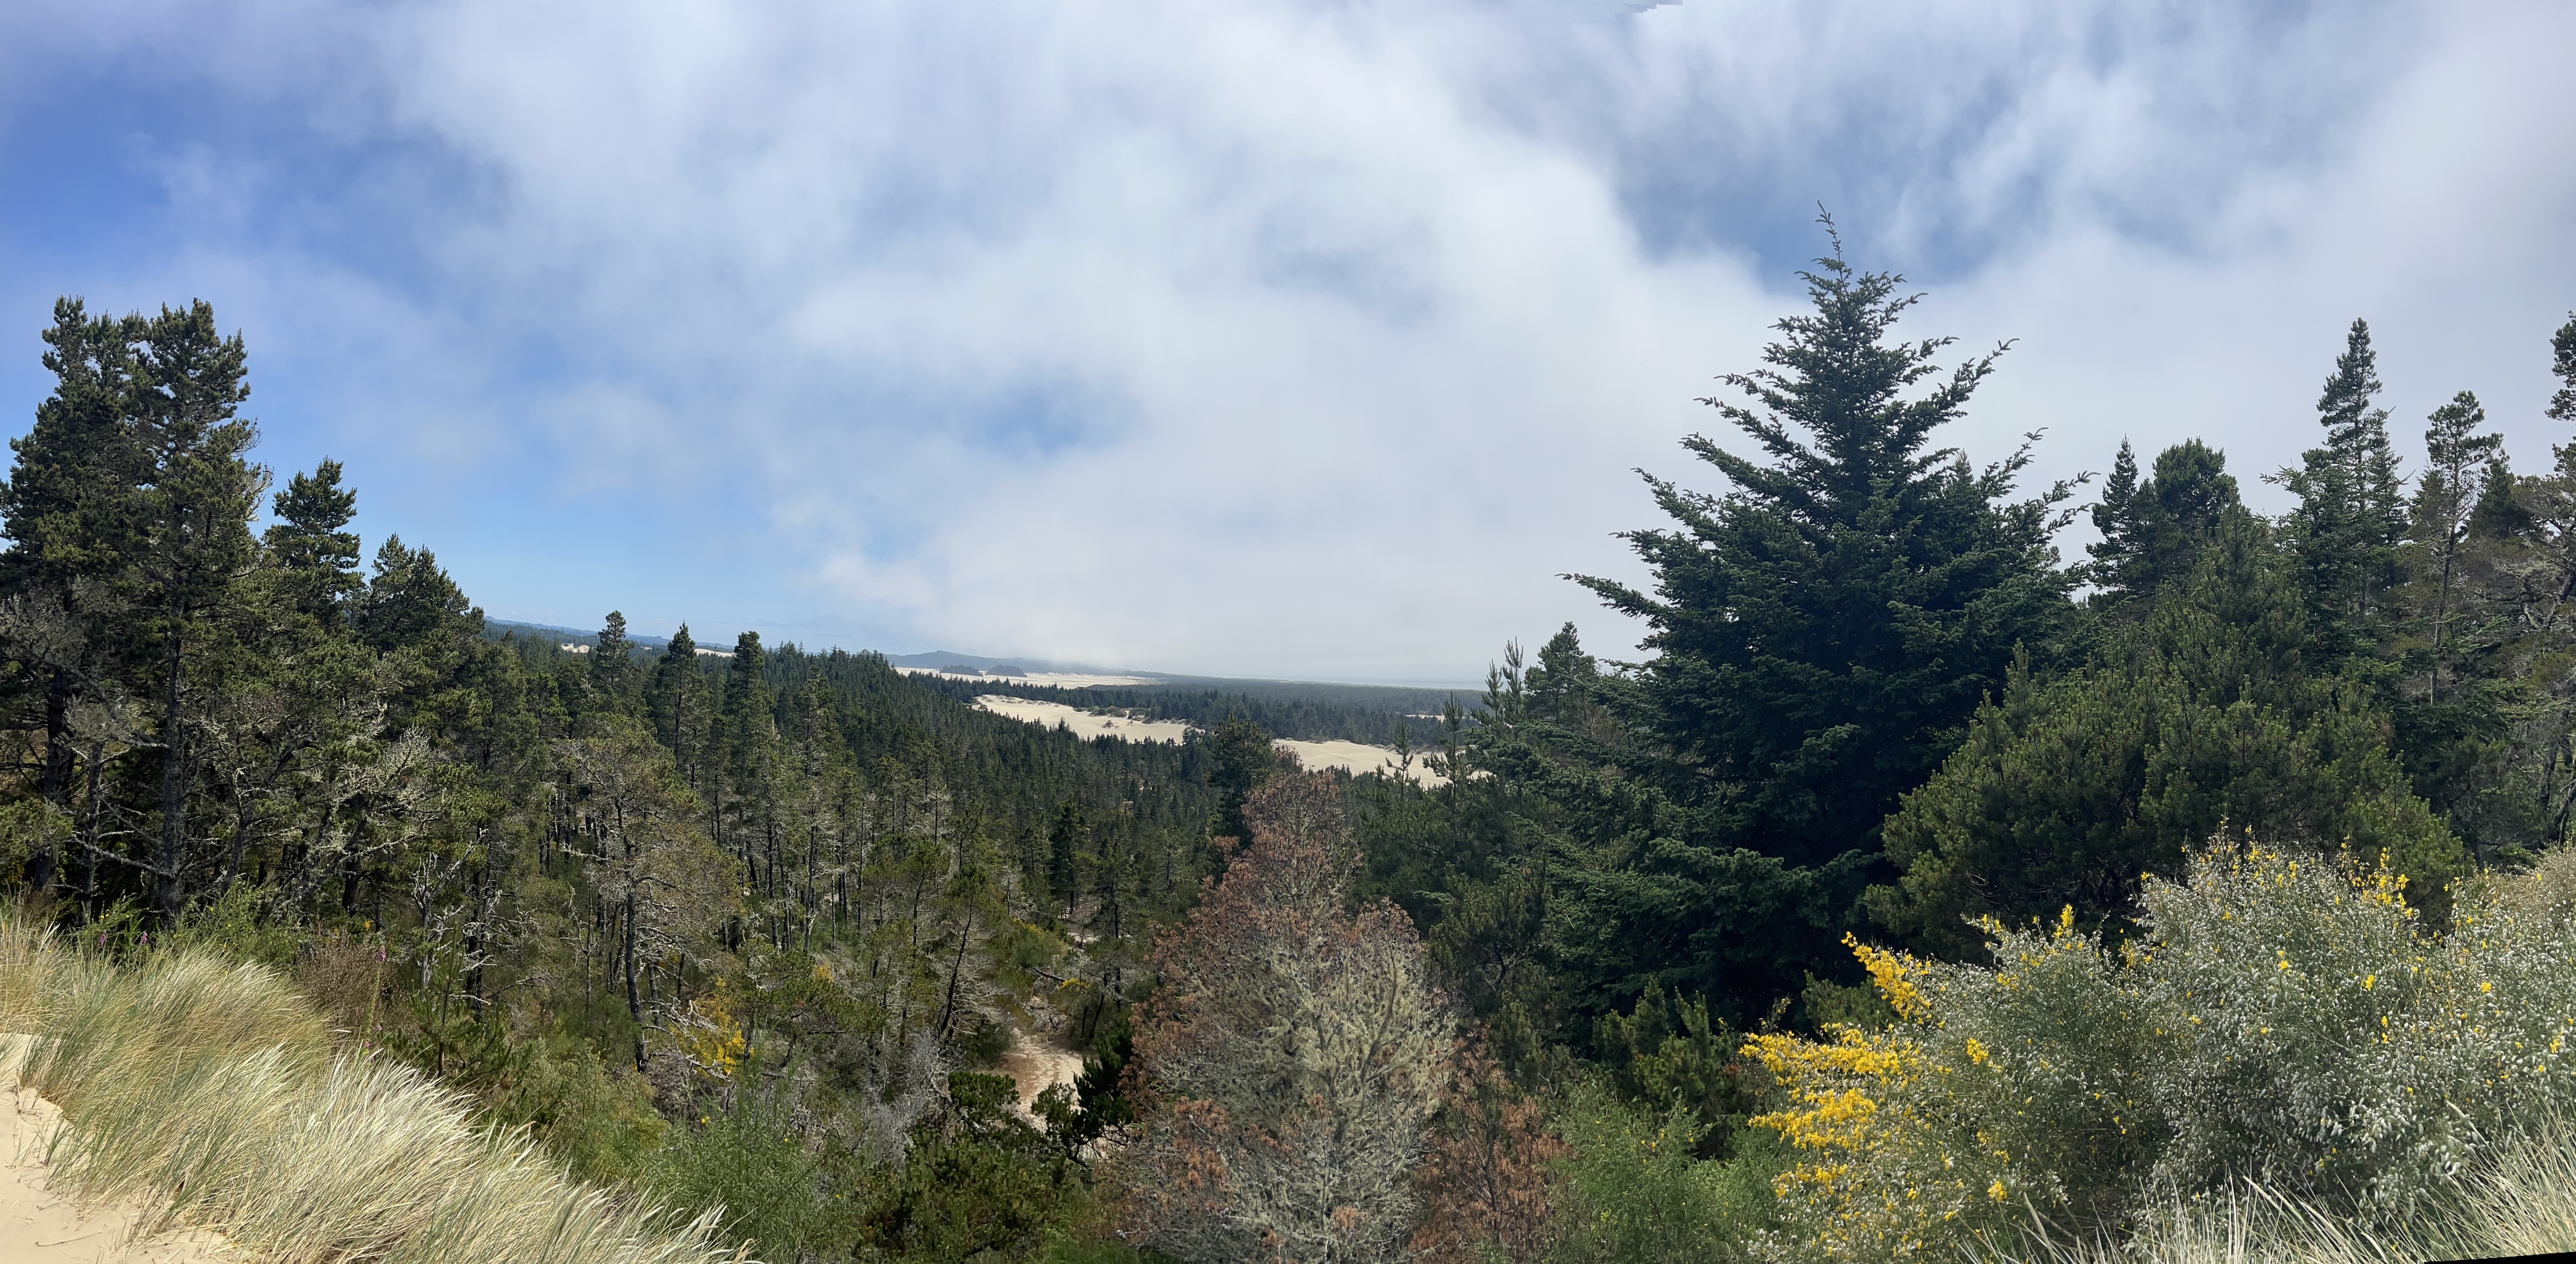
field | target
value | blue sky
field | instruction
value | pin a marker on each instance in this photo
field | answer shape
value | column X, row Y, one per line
column 1262, row 338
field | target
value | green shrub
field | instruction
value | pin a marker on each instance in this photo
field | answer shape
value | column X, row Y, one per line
column 2276, row 1019
column 1632, row 1192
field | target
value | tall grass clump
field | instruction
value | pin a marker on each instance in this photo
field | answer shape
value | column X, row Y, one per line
column 216, row 1096
column 2275, row 1022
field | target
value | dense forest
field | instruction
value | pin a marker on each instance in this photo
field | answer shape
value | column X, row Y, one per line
column 1921, row 884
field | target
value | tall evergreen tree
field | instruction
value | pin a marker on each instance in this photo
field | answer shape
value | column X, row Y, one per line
column 1822, row 632
column 2457, row 464
column 2351, row 515
column 72, row 515
column 612, row 662
column 677, row 703
column 2562, row 346
column 2153, row 531
column 318, row 558
column 1065, row 841
column 195, row 547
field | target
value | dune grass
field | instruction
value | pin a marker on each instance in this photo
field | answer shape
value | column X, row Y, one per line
column 218, row 1097
column 2520, row 1201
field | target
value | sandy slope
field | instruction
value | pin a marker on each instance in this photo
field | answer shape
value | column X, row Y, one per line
column 1358, row 758
column 40, row 1226
column 1355, row 756
column 1083, row 723
column 1035, row 1065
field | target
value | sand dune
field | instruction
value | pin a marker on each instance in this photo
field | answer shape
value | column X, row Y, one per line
column 1083, row 723
column 39, row 1225
column 1359, row 758
column 1356, row 756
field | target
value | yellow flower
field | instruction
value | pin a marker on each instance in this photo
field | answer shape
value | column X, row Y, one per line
column 1996, row 1190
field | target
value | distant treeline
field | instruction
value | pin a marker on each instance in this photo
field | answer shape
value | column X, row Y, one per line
column 1286, row 709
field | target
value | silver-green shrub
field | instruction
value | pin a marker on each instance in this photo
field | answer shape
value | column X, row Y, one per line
column 2276, row 1016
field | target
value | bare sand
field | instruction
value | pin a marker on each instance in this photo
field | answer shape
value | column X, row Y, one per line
column 1359, row 759
column 41, row 1226
column 1083, row 723
column 1035, row 1065
column 1061, row 680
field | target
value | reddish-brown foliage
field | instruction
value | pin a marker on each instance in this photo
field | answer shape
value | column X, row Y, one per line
column 1290, row 1061
column 1485, row 1182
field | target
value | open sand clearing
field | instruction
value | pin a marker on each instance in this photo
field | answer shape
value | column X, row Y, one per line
column 1035, row 1065
column 1061, row 680
column 1083, row 723
column 1355, row 756
column 40, row 1226
column 1359, row 759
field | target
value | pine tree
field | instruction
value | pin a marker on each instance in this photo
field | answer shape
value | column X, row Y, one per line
column 677, row 703
column 2111, row 517
column 318, row 558
column 2351, row 515
column 72, row 515
column 2455, row 484
column 1240, row 761
column 1065, row 843
column 612, row 662
column 1109, row 882
column 2562, row 346
column 1821, row 633
column 195, row 547
column 2155, row 534
column 2210, row 711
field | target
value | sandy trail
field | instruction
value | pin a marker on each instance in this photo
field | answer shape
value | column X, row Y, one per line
column 1034, row 1065
column 41, row 1226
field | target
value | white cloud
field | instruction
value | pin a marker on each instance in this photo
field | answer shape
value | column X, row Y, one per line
column 1311, row 338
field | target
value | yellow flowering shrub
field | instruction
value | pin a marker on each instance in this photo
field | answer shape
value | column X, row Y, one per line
column 2275, row 1016
column 710, row 1036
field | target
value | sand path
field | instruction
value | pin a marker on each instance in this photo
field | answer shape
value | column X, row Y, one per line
column 41, row 1226
column 1034, row 1065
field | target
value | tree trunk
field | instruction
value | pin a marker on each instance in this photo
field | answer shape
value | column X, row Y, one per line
column 170, row 890
column 55, row 783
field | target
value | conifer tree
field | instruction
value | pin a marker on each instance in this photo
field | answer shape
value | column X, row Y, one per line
column 612, row 662
column 2351, row 515
column 1821, row 632
column 2457, row 466
column 677, row 704
column 319, row 559
column 2158, row 527
column 195, row 546
column 1064, row 850
column 71, row 514
column 2562, row 404
column 2111, row 515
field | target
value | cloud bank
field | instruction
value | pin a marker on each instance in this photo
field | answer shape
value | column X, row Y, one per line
column 1268, row 338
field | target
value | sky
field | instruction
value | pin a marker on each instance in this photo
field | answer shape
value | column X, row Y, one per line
column 1289, row 338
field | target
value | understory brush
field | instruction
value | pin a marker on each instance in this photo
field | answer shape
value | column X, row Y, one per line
column 2273, row 1019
